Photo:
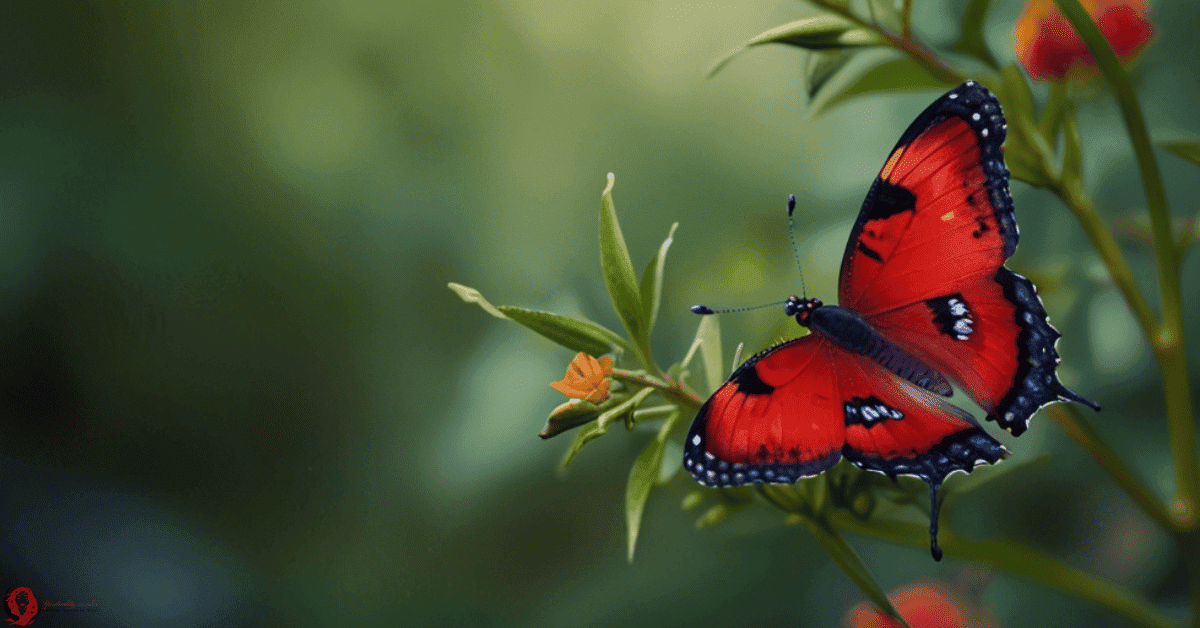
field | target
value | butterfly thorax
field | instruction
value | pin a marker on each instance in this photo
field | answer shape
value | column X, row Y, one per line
column 850, row 331
column 845, row 328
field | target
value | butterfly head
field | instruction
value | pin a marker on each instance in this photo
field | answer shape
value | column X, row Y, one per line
column 801, row 309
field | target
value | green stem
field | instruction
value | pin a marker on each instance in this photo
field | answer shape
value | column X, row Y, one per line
column 1078, row 427
column 850, row 562
column 923, row 55
column 670, row 388
column 1077, row 200
column 1168, row 342
column 1018, row 559
column 1055, row 109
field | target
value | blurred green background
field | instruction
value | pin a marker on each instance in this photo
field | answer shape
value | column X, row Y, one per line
column 237, row 391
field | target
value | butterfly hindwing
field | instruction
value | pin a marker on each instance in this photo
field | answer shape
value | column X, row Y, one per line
column 794, row 410
column 775, row 420
column 996, row 340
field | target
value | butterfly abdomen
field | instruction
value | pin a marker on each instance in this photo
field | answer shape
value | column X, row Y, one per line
column 852, row 332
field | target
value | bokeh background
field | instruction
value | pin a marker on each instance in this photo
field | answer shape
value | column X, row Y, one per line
column 236, row 390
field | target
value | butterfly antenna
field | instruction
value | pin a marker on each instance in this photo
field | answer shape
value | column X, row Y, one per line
column 795, row 249
column 704, row 309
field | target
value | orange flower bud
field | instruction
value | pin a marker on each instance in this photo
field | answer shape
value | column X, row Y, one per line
column 587, row 378
column 1049, row 47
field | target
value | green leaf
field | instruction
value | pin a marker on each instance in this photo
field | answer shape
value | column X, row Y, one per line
column 822, row 66
column 852, row 565
column 884, row 14
column 708, row 336
column 646, row 471
column 1187, row 150
column 599, row 428
column 619, row 276
column 713, row 516
column 821, row 32
column 897, row 74
column 471, row 295
column 652, row 282
column 1056, row 107
column 572, row 333
column 672, row 462
column 641, row 477
column 1022, row 150
column 589, row 433
column 1018, row 98
column 573, row 413
column 971, row 40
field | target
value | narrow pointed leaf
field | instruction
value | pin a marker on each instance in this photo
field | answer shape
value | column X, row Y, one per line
column 884, row 13
column 589, row 433
column 1187, row 150
column 971, row 40
column 572, row 414
column 821, row 32
column 618, row 272
column 822, row 66
column 672, row 462
column 898, row 74
column 646, row 470
column 1052, row 116
column 1018, row 103
column 652, row 282
column 1021, row 150
column 599, row 427
column 709, row 336
column 572, row 333
column 852, row 565
column 471, row 295
column 714, row 515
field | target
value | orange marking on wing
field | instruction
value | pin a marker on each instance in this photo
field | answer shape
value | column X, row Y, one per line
column 891, row 163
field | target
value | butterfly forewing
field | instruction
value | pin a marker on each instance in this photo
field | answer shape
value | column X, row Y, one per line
column 925, row 262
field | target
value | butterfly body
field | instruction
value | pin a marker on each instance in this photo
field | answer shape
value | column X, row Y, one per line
column 925, row 299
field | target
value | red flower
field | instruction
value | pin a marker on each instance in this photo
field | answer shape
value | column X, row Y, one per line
column 587, row 378
column 924, row 605
column 1049, row 47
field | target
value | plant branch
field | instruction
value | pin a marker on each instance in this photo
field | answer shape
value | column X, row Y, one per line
column 1076, row 199
column 923, row 55
column 1168, row 342
column 1078, row 427
column 1017, row 559
column 670, row 388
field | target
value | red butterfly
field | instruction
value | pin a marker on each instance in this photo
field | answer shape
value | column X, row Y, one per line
column 925, row 300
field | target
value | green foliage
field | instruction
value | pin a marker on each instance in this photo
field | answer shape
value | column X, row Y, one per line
column 617, row 268
column 1043, row 149
column 572, row 333
column 891, row 74
column 970, row 40
column 652, row 282
column 1187, row 150
column 823, row 32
